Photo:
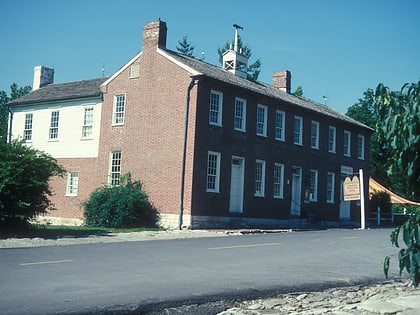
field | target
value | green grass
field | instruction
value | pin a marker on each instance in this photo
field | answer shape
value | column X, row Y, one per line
column 54, row 231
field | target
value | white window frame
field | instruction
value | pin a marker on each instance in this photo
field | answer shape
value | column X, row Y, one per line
column 347, row 143
column 114, row 171
column 278, row 181
column 72, row 183
column 313, row 186
column 87, row 128
column 118, row 115
column 240, row 114
column 27, row 131
column 361, row 147
column 315, row 134
column 54, row 123
column 280, row 123
column 332, row 136
column 261, row 120
column 330, row 187
column 215, row 108
column 213, row 172
column 298, row 130
column 259, row 178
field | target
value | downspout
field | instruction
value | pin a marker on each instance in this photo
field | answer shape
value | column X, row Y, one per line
column 184, row 150
column 10, row 123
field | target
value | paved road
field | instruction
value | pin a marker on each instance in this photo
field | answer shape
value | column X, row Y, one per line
column 152, row 274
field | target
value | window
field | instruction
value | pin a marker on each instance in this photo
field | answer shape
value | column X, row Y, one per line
column 330, row 187
column 240, row 114
column 72, row 183
column 119, row 109
column 315, row 135
column 54, row 125
column 87, row 122
column 261, row 120
column 213, row 172
column 135, row 70
column 27, row 132
column 331, row 139
column 361, row 147
column 216, row 100
column 313, row 188
column 298, row 127
column 280, row 121
column 259, row 178
column 347, row 139
column 278, row 180
column 115, row 168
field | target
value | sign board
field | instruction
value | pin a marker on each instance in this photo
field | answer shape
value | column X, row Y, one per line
column 351, row 188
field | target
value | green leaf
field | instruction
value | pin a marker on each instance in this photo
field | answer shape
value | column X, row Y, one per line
column 385, row 266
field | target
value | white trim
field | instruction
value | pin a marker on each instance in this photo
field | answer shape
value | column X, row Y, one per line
column 331, row 200
column 265, row 108
column 178, row 63
column 348, row 152
column 261, row 192
column 283, row 129
column 217, row 175
column 116, row 74
column 316, row 145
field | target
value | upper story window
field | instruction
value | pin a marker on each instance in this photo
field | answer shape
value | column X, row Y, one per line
column 72, row 183
column 315, row 135
column 135, row 70
column 280, row 121
column 261, row 120
column 298, row 130
column 259, row 178
column 331, row 139
column 27, row 132
column 361, row 147
column 213, row 172
column 119, row 109
column 240, row 114
column 55, row 115
column 330, row 187
column 313, row 188
column 278, row 180
column 216, row 101
column 114, row 168
column 347, row 141
column 87, row 122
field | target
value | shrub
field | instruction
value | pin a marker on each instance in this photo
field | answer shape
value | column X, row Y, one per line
column 24, row 187
column 123, row 206
column 409, row 258
column 382, row 200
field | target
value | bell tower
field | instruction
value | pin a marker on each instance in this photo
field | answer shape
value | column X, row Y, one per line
column 233, row 59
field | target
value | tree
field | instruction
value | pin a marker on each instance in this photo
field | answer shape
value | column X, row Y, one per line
column 185, row 47
column 15, row 92
column 399, row 113
column 24, row 187
column 254, row 69
column 298, row 91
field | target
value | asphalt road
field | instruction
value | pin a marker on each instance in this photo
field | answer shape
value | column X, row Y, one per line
column 154, row 274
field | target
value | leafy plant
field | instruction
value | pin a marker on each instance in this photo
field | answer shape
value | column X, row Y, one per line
column 124, row 206
column 409, row 258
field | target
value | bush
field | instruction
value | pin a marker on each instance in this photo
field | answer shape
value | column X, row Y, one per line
column 382, row 200
column 123, row 206
column 24, row 187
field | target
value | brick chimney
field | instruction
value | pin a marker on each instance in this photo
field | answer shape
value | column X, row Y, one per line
column 282, row 80
column 42, row 77
column 154, row 34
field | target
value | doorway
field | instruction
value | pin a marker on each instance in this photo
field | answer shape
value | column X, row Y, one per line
column 344, row 205
column 237, row 185
column 295, row 204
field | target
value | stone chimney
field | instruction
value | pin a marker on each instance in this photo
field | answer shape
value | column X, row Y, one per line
column 282, row 80
column 154, row 34
column 42, row 77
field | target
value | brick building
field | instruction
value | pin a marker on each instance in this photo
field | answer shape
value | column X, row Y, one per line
column 211, row 147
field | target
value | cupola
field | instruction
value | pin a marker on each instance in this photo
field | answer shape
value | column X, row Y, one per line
column 233, row 59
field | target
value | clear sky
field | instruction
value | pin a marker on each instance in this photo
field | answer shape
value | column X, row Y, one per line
column 333, row 48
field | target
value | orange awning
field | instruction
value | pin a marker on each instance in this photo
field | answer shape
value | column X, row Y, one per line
column 374, row 187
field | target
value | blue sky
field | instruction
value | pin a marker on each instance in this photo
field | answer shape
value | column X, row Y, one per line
column 333, row 48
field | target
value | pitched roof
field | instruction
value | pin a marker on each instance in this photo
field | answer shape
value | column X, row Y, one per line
column 218, row 73
column 62, row 91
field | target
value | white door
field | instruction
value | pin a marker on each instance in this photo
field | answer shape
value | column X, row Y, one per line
column 237, row 185
column 344, row 205
column 296, row 191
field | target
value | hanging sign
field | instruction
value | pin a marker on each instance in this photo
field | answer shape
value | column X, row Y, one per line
column 351, row 189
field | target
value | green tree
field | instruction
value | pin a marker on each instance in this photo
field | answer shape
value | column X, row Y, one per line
column 254, row 69
column 185, row 47
column 298, row 91
column 399, row 113
column 24, row 182
column 15, row 92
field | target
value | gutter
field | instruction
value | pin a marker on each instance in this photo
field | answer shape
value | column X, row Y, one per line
column 184, row 150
